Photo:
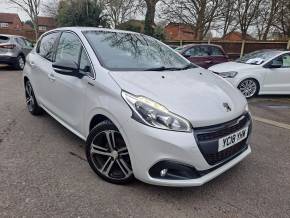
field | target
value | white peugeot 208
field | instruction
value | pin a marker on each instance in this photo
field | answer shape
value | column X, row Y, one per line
column 143, row 109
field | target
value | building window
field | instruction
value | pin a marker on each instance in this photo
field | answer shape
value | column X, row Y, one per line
column 3, row 25
column 42, row 28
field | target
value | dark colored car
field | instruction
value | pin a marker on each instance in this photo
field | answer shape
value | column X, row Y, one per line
column 204, row 55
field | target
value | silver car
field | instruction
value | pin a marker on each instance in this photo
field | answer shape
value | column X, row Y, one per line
column 13, row 50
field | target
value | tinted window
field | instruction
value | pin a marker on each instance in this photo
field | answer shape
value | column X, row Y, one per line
column 85, row 65
column 69, row 48
column 46, row 47
column 4, row 39
column 216, row 51
column 198, row 51
column 128, row 51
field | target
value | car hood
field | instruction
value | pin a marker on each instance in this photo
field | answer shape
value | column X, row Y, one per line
column 195, row 94
column 231, row 66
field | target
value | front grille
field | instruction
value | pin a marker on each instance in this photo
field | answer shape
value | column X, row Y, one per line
column 207, row 139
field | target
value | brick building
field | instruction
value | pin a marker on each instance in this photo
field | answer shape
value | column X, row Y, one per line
column 179, row 31
column 237, row 36
column 10, row 22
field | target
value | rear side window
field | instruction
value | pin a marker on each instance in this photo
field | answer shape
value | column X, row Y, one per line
column 4, row 39
column 46, row 46
column 216, row 51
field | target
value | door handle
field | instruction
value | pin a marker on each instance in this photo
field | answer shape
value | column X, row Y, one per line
column 31, row 63
column 208, row 62
column 51, row 77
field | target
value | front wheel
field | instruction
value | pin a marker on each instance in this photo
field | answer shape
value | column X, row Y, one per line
column 249, row 88
column 108, row 155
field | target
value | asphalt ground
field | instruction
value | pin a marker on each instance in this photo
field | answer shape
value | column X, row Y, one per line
column 44, row 172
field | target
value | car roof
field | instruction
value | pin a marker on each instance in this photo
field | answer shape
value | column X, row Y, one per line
column 80, row 29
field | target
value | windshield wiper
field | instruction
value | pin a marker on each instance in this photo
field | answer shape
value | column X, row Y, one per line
column 162, row 68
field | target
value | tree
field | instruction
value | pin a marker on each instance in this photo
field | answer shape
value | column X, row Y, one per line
column 200, row 14
column 228, row 16
column 150, row 16
column 50, row 8
column 31, row 8
column 247, row 13
column 283, row 20
column 267, row 15
column 82, row 13
column 120, row 11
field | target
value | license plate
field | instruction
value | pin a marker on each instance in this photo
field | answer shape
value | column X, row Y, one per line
column 232, row 139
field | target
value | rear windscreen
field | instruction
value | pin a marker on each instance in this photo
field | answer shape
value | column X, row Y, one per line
column 4, row 39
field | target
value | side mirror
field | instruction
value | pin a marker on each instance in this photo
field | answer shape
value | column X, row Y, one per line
column 186, row 55
column 67, row 67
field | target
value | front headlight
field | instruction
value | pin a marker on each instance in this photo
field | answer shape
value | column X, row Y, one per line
column 230, row 74
column 153, row 114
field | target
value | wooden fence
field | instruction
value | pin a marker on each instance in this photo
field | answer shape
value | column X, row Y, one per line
column 237, row 49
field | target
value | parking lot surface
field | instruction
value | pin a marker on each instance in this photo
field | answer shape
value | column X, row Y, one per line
column 44, row 172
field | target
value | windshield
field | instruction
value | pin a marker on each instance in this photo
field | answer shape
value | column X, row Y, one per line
column 258, row 57
column 129, row 51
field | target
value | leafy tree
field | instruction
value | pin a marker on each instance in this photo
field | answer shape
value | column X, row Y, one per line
column 82, row 13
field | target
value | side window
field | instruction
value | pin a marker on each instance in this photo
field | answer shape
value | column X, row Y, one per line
column 85, row 64
column 46, row 46
column 216, row 51
column 197, row 51
column 286, row 61
column 69, row 48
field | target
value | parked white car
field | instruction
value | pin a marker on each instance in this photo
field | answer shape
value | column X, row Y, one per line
column 143, row 110
column 260, row 72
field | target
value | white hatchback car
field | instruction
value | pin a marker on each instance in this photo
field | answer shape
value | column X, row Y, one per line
column 260, row 72
column 143, row 109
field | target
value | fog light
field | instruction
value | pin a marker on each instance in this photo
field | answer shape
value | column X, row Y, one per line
column 163, row 172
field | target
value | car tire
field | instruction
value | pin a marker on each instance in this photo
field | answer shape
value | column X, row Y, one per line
column 20, row 63
column 31, row 101
column 249, row 87
column 107, row 154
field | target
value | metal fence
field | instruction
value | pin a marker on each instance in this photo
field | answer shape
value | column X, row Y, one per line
column 237, row 49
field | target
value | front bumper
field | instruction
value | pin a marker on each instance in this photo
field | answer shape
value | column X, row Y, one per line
column 148, row 146
column 5, row 59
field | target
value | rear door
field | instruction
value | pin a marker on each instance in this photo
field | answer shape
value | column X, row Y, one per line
column 217, row 55
column 40, row 62
column 199, row 55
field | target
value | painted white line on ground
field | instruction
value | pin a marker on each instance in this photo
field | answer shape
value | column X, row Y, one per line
column 272, row 122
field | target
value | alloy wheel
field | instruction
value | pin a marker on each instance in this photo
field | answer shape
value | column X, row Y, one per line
column 110, row 156
column 21, row 62
column 248, row 88
column 29, row 96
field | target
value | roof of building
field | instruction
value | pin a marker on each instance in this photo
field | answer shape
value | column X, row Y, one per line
column 8, row 17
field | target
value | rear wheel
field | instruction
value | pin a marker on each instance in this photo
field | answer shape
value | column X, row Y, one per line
column 108, row 155
column 249, row 88
column 31, row 102
column 20, row 63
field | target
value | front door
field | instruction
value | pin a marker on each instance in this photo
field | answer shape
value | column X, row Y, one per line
column 277, row 80
column 68, row 93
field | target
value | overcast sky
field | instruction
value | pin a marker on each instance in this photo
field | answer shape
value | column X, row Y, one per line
column 6, row 7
